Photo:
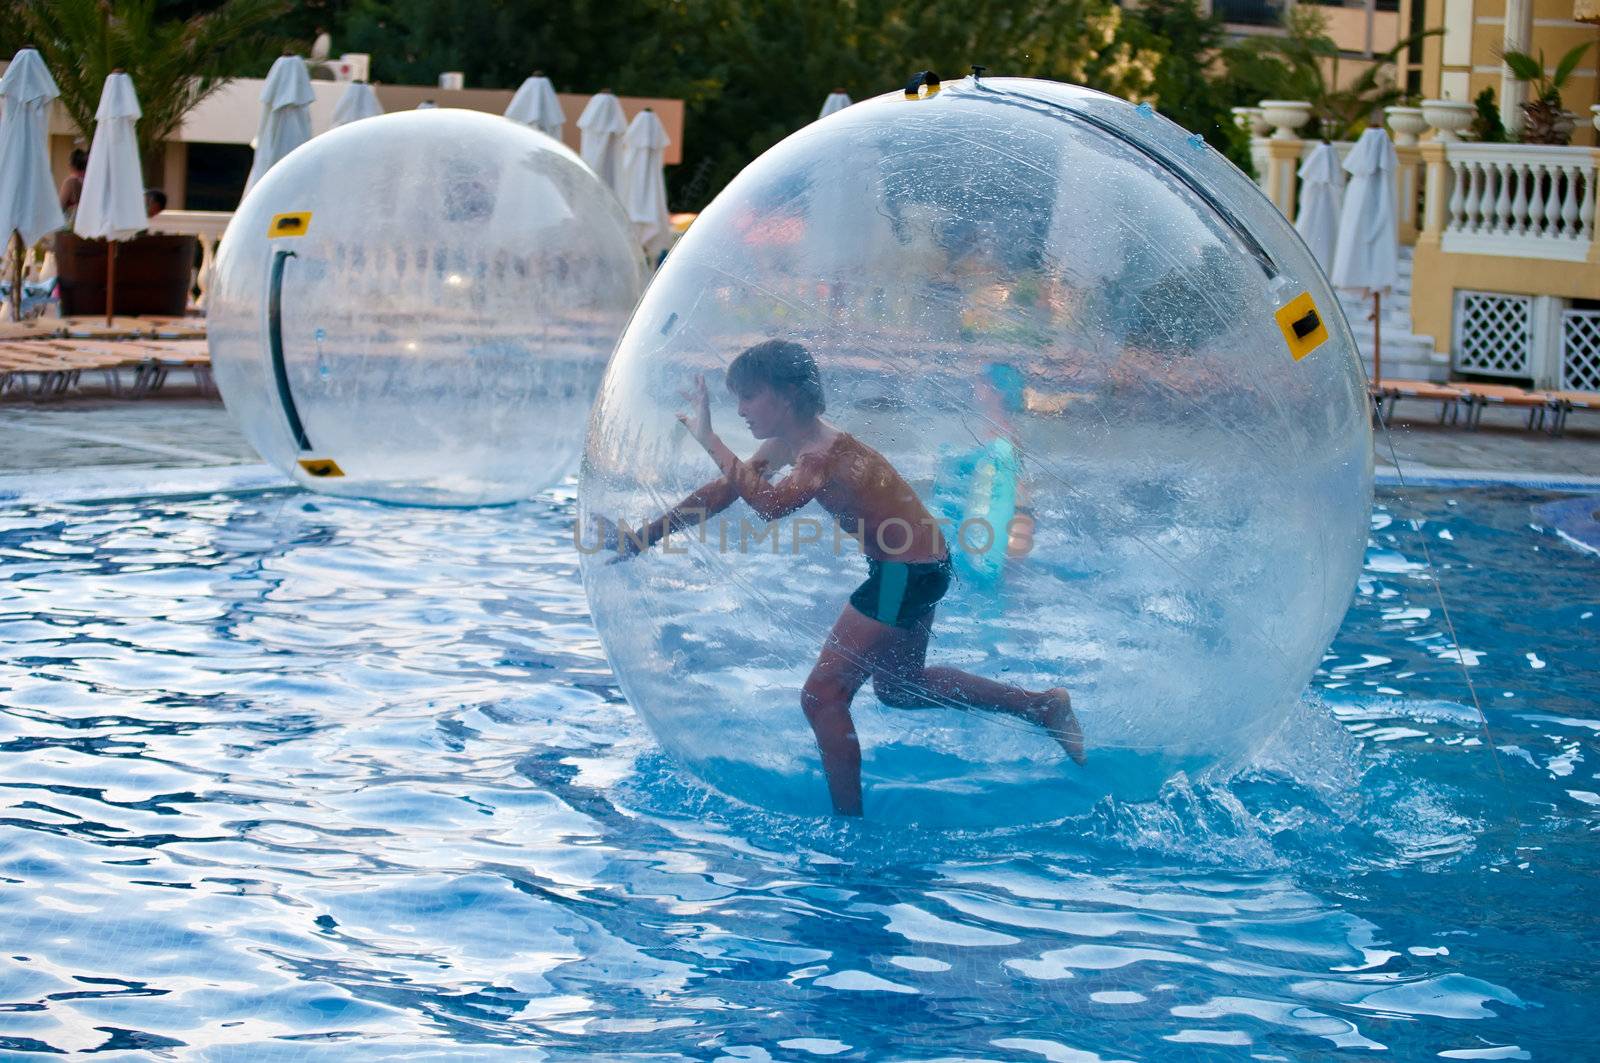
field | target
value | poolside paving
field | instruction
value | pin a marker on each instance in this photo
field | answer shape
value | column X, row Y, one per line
column 142, row 433
column 95, row 438
column 1501, row 445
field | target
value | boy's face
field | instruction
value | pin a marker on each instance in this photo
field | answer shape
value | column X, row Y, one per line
column 764, row 410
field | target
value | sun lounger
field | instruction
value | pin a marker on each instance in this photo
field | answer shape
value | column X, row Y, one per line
column 188, row 355
column 126, row 368
column 34, row 373
column 1481, row 396
column 1567, row 401
column 30, row 329
column 1451, row 399
column 129, row 368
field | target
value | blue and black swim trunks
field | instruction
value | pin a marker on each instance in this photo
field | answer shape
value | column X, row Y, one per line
column 901, row 593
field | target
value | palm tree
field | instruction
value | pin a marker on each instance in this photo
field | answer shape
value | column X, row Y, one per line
column 174, row 63
column 1310, row 61
column 1543, row 120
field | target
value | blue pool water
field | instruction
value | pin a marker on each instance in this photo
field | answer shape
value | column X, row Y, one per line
column 290, row 778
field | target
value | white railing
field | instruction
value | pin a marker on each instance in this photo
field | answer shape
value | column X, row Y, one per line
column 1520, row 200
column 208, row 225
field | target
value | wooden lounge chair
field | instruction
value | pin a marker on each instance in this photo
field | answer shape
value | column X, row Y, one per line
column 174, row 328
column 52, row 368
column 94, row 327
column 1387, row 395
column 1567, row 401
column 1481, row 396
column 35, row 374
column 188, row 355
column 30, row 329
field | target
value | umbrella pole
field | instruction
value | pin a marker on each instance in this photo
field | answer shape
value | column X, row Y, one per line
column 1377, row 338
column 111, row 277
column 18, row 253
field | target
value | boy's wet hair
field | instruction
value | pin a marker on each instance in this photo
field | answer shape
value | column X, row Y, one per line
column 784, row 366
column 79, row 159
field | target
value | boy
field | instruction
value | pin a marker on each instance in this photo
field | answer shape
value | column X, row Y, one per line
column 882, row 634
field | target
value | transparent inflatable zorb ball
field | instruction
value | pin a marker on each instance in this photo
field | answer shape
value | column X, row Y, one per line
column 418, row 307
column 1096, row 352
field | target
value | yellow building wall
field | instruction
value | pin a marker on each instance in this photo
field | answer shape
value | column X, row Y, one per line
column 1466, row 60
column 1436, row 277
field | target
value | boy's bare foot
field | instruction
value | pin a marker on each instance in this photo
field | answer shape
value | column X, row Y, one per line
column 1056, row 716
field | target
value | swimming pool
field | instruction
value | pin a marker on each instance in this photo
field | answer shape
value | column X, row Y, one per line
column 284, row 774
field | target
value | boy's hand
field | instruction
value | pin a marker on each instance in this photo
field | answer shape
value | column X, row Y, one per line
column 698, row 419
column 609, row 538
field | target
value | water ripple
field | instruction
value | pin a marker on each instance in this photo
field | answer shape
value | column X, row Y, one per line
column 282, row 774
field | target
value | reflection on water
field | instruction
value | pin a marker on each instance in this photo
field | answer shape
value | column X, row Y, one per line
column 281, row 774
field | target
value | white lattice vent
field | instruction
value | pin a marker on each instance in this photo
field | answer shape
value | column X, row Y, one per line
column 1580, row 350
column 1494, row 333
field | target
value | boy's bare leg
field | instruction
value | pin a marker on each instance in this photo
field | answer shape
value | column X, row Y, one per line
column 907, row 682
column 853, row 649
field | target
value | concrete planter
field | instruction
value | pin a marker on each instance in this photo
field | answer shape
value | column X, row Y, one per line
column 1252, row 121
column 1449, row 118
column 1407, row 124
column 1286, row 117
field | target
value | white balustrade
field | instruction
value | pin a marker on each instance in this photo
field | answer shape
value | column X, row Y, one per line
column 1521, row 200
column 209, row 226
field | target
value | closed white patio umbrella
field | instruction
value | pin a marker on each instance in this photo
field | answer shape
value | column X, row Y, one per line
column 1321, row 193
column 602, row 125
column 112, row 207
column 285, row 115
column 1367, row 258
column 358, row 101
column 837, row 100
column 28, row 205
column 537, row 105
column 644, row 193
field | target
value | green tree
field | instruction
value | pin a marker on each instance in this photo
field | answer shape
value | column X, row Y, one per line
column 1304, row 65
column 1188, row 86
column 1542, row 117
column 750, row 73
column 1487, row 128
column 174, row 63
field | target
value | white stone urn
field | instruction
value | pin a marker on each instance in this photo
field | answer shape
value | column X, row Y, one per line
column 1449, row 118
column 1407, row 124
column 1286, row 117
column 1595, row 110
column 1252, row 121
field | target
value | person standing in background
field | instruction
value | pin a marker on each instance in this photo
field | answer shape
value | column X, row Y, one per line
column 72, row 188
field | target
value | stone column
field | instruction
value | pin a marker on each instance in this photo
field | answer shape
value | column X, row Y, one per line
column 1283, row 168
column 1435, row 196
column 1432, row 300
column 1408, row 159
column 175, row 172
column 1518, row 34
column 1544, row 340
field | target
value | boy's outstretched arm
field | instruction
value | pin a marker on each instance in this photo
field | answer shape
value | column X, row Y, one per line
column 699, row 506
column 769, row 500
